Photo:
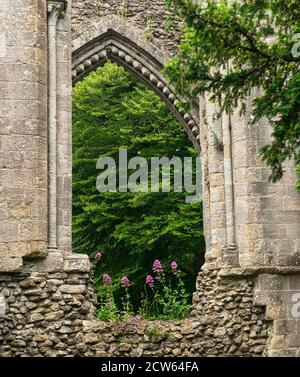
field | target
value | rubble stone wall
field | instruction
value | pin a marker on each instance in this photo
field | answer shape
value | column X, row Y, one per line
column 151, row 17
column 53, row 314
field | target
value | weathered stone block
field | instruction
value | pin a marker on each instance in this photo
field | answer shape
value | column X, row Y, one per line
column 10, row 264
column 77, row 263
column 36, row 317
column 272, row 282
column 53, row 263
column 72, row 289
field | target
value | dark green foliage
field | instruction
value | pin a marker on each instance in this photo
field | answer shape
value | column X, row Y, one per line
column 111, row 110
column 249, row 43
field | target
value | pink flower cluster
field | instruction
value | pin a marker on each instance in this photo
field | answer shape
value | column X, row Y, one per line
column 150, row 281
column 125, row 283
column 157, row 267
column 107, row 280
column 98, row 256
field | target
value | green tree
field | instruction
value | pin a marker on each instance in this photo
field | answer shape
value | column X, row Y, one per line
column 112, row 110
column 258, row 39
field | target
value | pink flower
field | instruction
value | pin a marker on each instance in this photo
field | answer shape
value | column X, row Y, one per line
column 125, row 283
column 157, row 267
column 98, row 256
column 107, row 279
column 174, row 265
column 150, row 281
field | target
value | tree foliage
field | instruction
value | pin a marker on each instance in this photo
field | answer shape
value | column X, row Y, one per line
column 111, row 110
column 232, row 47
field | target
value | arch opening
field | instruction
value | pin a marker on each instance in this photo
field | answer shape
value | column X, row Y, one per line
column 111, row 105
column 112, row 46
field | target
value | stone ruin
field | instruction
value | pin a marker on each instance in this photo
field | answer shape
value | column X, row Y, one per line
column 247, row 298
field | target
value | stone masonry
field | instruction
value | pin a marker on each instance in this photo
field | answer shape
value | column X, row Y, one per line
column 247, row 298
column 23, row 132
column 52, row 314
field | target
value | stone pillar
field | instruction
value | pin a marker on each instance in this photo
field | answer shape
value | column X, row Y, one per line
column 229, row 250
column 61, row 218
column 64, row 132
column 23, row 131
column 212, row 155
column 267, row 215
column 55, row 10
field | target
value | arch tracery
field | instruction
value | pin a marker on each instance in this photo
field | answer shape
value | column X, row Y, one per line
column 89, row 54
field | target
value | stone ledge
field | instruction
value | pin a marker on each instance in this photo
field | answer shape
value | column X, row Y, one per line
column 241, row 272
column 77, row 263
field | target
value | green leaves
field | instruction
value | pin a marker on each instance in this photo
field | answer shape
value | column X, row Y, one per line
column 111, row 110
column 256, row 37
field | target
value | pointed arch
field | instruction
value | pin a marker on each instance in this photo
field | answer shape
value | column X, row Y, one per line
column 144, row 60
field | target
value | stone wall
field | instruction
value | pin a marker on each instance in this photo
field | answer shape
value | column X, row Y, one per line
column 279, row 293
column 43, row 311
column 151, row 17
column 23, row 132
column 53, row 314
column 267, row 216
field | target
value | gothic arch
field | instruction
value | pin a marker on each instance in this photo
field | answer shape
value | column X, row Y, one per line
column 92, row 49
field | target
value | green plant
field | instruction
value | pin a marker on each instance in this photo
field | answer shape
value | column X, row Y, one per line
column 167, row 298
column 154, row 332
column 123, row 8
column 298, row 174
column 108, row 310
column 231, row 50
column 170, row 297
column 174, row 301
column 217, row 142
column 127, row 311
column 169, row 24
column 149, row 28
